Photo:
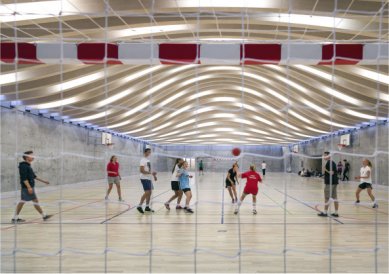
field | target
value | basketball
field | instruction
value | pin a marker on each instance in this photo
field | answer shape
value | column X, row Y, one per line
column 236, row 151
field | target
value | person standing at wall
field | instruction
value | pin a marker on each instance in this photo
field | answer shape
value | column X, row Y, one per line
column 201, row 167
column 113, row 177
column 331, row 183
column 27, row 182
column 339, row 168
column 346, row 170
column 263, row 168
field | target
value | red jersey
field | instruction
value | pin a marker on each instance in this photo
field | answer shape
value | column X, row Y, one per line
column 113, row 167
column 252, row 182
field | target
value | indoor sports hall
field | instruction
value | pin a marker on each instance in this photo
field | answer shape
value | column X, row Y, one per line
column 194, row 136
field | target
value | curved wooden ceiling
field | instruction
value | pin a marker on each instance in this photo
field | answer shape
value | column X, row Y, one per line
column 192, row 104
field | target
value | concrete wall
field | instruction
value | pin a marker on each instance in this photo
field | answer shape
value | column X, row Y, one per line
column 65, row 153
column 69, row 154
column 368, row 141
column 216, row 164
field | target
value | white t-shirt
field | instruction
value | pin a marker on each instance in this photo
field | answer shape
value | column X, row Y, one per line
column 147, row 166
column 174, row 174
column 364, row 171
column 263, row 165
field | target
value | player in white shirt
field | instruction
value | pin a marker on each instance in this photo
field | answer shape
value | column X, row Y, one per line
column 263, row 165
column 146, row 176
column 365, row 182
column 175, row 183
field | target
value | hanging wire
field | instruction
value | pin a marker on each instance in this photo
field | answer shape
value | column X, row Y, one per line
column 197, row 38
column 62, row 142
column 151, row 16
column 287, row 129
column 333, row 60
column 16, row 67
column 106, row 95
column 378, row 102
column 241, row 114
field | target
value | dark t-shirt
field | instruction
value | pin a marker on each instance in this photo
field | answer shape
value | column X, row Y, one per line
column 232, row 175
column 347, row 166
column 330, row 166
column 26, row 173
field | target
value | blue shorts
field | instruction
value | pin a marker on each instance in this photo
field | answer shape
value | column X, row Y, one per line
column 147, row 184
column 25, row 196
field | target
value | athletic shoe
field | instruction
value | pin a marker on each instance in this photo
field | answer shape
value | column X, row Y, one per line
column 236, row 211
column 148, row 209
column 233, row 201
column 254, row 211
column 47, row 217
column 335, row 215
column 167, row 206
column 18, row 220
column 121, row 200
column 357, row 202
column 375, row 206
column 139, row 208
column 179, row 207
column 322, row 214
column 188, row 210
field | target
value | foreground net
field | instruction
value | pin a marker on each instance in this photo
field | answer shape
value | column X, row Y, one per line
column 65, row 157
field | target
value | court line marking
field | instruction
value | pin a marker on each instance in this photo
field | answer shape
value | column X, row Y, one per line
column 222, row 213
column 277, row 203
column 216, row 223
column 34, row 221
column 129, row 208
column 304, row 203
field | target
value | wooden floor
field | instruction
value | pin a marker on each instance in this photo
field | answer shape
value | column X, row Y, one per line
column 83, row 227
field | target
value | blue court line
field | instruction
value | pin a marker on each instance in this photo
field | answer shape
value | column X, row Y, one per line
column 304, row 203
column 222, row 213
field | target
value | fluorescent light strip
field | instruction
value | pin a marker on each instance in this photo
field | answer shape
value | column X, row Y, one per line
column 298, row 116
column 334, row 123
column 361, row 115
column 316, row 130
column 93, row 117
column 280, row 132
column 371, row 75
column 128, row 113
column 135, row 130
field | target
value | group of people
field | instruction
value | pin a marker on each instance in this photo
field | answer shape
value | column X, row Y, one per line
column 343, row 170
column 251, row 187
column 331, row 181
column 180, row 184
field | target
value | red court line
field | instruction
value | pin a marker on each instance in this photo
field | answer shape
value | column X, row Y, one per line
column 373, row 209
column 34, row 221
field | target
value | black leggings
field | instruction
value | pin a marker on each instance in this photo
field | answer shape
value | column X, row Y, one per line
column 345, row 175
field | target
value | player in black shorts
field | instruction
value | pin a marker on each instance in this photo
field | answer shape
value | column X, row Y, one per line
column 231, row 181
column 366, row 182
column 27, row 182
column 175, row 183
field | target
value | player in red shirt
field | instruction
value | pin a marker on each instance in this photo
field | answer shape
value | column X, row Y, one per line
column 114, row 177
column 251, row 187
